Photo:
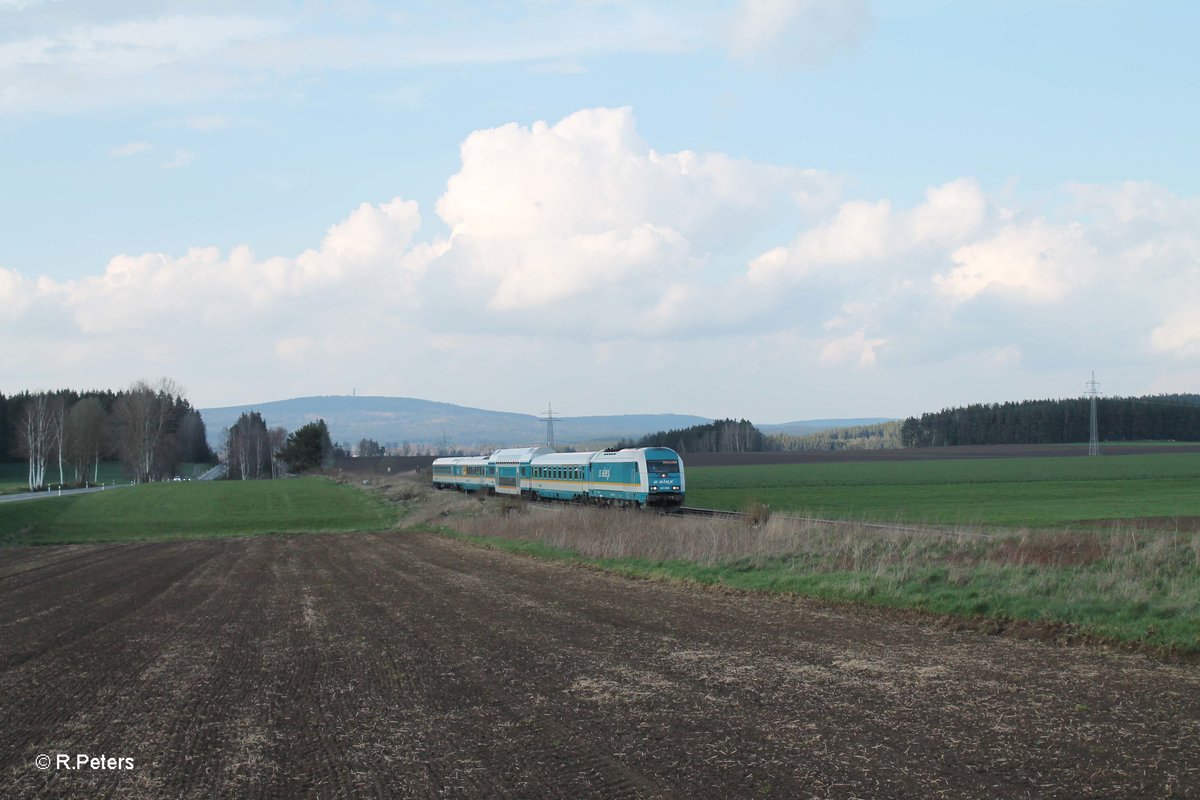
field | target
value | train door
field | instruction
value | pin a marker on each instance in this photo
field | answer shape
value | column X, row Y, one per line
column 508, row 479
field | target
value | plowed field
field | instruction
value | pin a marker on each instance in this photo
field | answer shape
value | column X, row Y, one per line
column 409, row 665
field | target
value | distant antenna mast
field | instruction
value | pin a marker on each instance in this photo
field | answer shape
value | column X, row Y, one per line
column 549, row 418
column 1094, row 433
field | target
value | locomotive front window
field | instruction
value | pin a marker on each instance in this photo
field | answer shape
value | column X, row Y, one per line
column 663, row 465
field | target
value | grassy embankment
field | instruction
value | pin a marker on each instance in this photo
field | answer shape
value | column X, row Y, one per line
column 194, row 510
column 1124, row 582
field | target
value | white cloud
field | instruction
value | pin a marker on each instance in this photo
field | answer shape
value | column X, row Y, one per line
column 857, row 349
column 796, row 31
column 368, row 252
column 118, row 55
column 207, row 122
column 182, row 158
column 129, row 149
column 543, row 213
column 1037, row 261
column 1179, row 335
column 577, row 240
column 864, row 231
column 14, row 294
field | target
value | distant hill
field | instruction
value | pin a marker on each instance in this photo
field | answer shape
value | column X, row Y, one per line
column 807, row 426
column 395, row 420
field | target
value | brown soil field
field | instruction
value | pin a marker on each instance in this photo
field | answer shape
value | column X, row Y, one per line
column 411, row 665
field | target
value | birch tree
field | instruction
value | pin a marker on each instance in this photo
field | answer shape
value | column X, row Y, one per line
column 35, row 436
column 58, row 432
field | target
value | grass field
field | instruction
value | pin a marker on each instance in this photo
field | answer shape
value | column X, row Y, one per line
column 1012, row 492
column 194, row 509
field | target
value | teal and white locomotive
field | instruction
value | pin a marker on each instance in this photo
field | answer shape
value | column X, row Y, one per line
column 634, row 476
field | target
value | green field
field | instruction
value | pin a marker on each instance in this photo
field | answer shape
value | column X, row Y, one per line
column 194, row 509
column 1033, row 492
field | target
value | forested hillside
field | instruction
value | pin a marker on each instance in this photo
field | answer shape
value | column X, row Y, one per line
column 1119, row 419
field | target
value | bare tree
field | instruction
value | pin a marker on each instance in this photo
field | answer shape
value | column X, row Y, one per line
column 143, row 417
column 278, row 436
column 35, row 436
column 86, row 437
column 58, row 431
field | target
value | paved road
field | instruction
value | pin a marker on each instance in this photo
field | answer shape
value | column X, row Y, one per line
column 12, row 498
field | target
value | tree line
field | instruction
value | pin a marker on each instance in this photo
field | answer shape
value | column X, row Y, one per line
column 876, row 436
column 741, row 436
column 1119, row 419
column 720, row 436
column 149, row 428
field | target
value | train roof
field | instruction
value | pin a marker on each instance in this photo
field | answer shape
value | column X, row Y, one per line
column 453, row 460
column 564, row 458
column 625, row 454
column 518, row 455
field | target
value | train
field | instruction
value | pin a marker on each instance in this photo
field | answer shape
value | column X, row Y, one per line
column 629, row 477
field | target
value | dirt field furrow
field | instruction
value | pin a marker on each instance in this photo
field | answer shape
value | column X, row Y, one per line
column 411, row 665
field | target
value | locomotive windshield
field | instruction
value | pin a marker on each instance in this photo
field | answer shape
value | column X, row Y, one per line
column 663, row 465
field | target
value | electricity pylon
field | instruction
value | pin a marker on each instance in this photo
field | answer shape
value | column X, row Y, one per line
column 1094, row 432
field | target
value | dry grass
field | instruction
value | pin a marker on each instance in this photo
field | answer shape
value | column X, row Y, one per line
column 610, row 534
column 1130, row 583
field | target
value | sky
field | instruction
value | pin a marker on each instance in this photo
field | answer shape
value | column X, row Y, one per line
column 770, row 209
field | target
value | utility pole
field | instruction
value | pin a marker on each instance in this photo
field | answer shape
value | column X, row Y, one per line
column 1094, row 437
column 549, row 418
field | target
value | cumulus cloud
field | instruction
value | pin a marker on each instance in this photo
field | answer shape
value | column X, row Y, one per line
column 1038, row 261
column 543, row 213
column 368, row 252
column 578, row 246
column 864, row 231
